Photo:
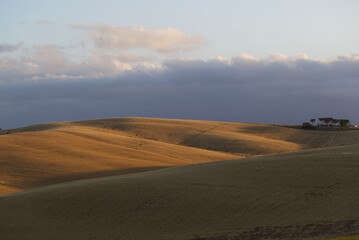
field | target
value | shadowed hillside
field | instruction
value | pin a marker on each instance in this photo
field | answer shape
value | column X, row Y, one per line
column 310, row 194
column 52, row 153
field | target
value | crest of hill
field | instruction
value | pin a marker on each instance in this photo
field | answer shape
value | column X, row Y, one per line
column 311, row 194
column 58, row 152
column 227, row 136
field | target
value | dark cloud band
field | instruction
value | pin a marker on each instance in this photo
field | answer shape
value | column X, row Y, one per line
column 271, row 90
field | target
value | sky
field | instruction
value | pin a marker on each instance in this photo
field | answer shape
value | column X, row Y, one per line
column 280, row 61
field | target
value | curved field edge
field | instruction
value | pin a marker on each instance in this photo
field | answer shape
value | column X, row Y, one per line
column 310, row 194
column 52, row 153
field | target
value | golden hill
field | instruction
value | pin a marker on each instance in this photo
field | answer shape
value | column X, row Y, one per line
column 311, row 194
column 53, row 153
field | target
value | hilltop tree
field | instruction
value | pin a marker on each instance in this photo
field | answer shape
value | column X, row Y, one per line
column 344, row 122
column 327, row 121
column 312, row 121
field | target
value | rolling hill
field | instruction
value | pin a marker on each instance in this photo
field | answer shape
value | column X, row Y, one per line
column 52, row 153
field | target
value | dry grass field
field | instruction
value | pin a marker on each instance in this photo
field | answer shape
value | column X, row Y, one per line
column 305, row 188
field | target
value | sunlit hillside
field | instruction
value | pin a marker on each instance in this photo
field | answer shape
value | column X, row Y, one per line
column 58, row 152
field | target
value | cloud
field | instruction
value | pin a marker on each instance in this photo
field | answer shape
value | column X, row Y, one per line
column 276, row 89
column 50, row 58
column 113, row 51
column 116, row 76
column 42, row 61
column 9, row 47
column 112, row 37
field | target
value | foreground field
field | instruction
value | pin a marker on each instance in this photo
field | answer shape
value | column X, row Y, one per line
column 53, row 153
column 310, row 194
